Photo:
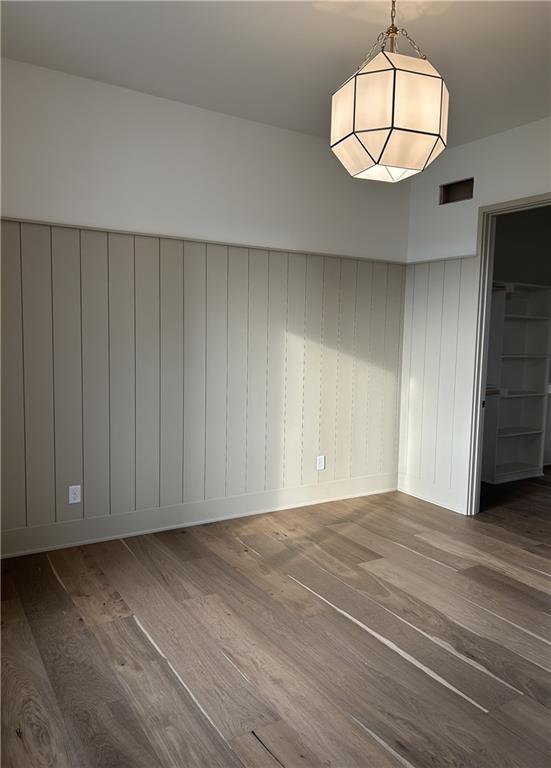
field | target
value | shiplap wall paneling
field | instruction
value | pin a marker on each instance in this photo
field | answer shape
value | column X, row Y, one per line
column 345, row 369
column 464, row 374
column 67, row 368
column 416, row 376
column 36, row 263
column 216, row 371
column 275, row 398
column 405, row 385
column 438, row 363
column 180, row 381
column 377, row 363
column 294, row 370
column 122, row 366
column 393, row 342
column 96, row 490
column 312, row 368
column 172, row 371
column 147, row 329
column 330, row 352
column 362, row 369
column 447, row 374
column 236, row 416
column 257, row 370
column 195, row 286
column 14, row 513
column 431, row 366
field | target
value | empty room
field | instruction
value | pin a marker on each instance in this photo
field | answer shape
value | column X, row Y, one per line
column 276, row 384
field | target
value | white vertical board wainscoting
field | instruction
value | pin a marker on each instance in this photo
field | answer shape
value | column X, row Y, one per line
column 440, row 310
column 180, row 382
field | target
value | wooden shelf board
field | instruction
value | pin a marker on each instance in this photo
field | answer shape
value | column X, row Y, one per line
column 524, row 357
column 537, row 318
column 522, row 393
column 521, row 286
column 516, row 470
column 518, row 431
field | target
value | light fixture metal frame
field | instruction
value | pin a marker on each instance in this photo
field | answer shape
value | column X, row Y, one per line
column 374, row 160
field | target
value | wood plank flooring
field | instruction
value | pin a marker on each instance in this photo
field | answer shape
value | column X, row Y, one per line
column 380, row 631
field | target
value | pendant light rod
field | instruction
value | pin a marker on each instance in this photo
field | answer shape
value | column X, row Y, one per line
column 392, row 31
column 391, row 35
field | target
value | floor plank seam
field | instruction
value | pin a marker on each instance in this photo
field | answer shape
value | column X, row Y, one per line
column 401, row 759
column 56, row 574
column 508, row 621
column 180, row 680
column 393, row 647
column 269, row 751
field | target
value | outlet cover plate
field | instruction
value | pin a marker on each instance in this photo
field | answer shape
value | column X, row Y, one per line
column 74, row 494
column 320, row 463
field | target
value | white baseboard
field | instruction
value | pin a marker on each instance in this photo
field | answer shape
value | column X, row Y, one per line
column 442, row 497
column 40, row 538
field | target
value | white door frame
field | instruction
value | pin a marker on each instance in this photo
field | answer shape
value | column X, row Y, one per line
column 485, row 252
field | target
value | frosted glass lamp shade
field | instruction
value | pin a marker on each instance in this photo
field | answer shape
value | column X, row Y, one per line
column 390, row 120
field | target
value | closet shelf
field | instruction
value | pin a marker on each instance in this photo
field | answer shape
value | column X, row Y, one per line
column 518, row 362
column 516, row 470
column 512, row 287
column 518, row 431
column 521, row 393
column 524, row 357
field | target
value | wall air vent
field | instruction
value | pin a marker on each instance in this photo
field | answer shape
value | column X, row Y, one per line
column 456, row 191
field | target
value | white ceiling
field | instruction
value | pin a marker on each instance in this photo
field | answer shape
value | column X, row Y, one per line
column 279, row 62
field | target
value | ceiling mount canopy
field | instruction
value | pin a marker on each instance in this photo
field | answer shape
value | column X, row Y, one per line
column 389, row 120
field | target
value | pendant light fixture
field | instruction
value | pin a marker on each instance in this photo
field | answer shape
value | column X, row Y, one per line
column 389, row 120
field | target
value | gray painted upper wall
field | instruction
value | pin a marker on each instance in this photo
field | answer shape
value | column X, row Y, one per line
column 180, row 381
column 76, row 151
column 80, row 152
column 507, row 166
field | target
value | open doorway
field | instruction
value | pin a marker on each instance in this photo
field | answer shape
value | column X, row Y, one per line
column 514, row 421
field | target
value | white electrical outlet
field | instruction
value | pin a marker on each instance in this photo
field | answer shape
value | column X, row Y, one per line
column 74, row 494
column 320, row 463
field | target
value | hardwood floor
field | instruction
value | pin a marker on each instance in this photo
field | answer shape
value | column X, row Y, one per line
column 381, row 632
